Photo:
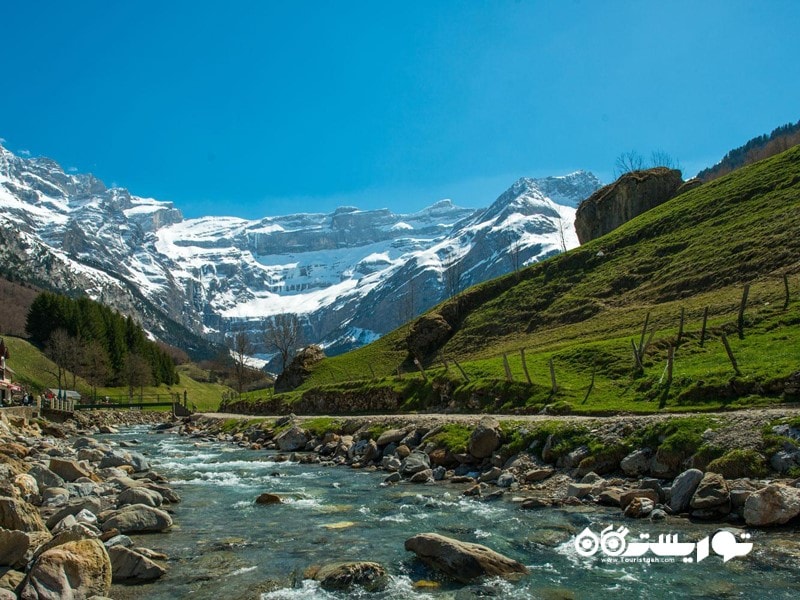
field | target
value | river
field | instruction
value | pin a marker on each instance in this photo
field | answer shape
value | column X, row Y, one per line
column 225, row 546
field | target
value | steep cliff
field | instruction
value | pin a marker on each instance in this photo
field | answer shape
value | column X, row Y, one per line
column 629, row 196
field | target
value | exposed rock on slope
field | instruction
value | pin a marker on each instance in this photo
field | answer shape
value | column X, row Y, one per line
column 629, row 196
column 300, row 367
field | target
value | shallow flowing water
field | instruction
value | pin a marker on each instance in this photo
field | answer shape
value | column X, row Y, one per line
column 225, row 546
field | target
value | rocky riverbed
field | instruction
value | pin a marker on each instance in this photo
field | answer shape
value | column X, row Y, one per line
column 420, row 504
column 741, row 468
column 71, row 507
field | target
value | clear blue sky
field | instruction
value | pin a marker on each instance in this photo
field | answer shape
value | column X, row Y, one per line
column 263, row 108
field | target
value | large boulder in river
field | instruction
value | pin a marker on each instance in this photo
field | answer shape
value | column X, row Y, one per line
column 292, row 439
column 628, row 197
column 18, row 514
column 683, row 488
column 138, row 518
column 140, row 495
column 68, row 470
column 13, row 546
column 343, row 576
column 772, row 505
column 485, row 439
column 131, row 566
column 462, row 561
column 79, row 569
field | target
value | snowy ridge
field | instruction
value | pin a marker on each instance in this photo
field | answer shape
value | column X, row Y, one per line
column 351, row 275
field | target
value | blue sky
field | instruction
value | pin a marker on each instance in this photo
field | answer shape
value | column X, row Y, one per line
column 266, row 108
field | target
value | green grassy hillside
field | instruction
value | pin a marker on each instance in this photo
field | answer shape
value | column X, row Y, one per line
column 582, row 309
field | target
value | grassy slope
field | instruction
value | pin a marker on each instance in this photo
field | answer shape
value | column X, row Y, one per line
column 34, row 369
column 583, row 308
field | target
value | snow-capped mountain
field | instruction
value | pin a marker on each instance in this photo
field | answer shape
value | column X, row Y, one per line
column 351, row 275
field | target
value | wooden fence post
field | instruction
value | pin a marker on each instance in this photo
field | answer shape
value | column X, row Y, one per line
column 644, row 331
column 507, row 367
column 670, row 361
column 524, row 365
column 554, row 387
column 421, row 370
column 742, row 305
column 680, row 326
column 730, row 354
column 463, row 373
column 591, row 384
column 637, row 362
column 703, row 330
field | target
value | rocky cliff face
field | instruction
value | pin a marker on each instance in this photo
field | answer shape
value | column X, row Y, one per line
column 629, row 196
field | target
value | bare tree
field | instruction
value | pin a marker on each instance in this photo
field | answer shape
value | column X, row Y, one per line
column 515, row 255
column 60, row 349
column 627, row 162
column 452, row 275
column 137, row 374
column 241, row 348
column 561, row 235
column 407, row 306
column 94, row 366
column 283, row 333
column 660, row 158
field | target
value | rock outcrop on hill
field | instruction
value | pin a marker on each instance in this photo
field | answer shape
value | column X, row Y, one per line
column 299, row 369
column 626, row 198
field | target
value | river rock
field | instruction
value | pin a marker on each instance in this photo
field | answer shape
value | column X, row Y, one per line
column 785, row 460
column 579, row 490
column 129, row 566
column 343, row 576
column 119, row 540
column 610, row 496
column 538, row 474
column 73, row 570
column 627, row 497
column 93, row 505
column 490, row 475
column 27, row 486
column 683, row 489
column 506, row 479
column 639, row 507
column 18, row 514
column 55, row 496
column 711, row 492
column 414, row 463
column 138, row 518
column 485, row 439
column 10, row 581
column 45, row 477
column 125, row 458
column 463, row 561
column 423, row 476
column 267, row 498
column 68, row 470
column 773, row 505
column 13, row 546
column 292, row 439
column 637, row 462
column 391, row 436
column 140, row 495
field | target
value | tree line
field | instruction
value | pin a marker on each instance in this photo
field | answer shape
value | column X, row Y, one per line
column 86, row 338
column 779, row 140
